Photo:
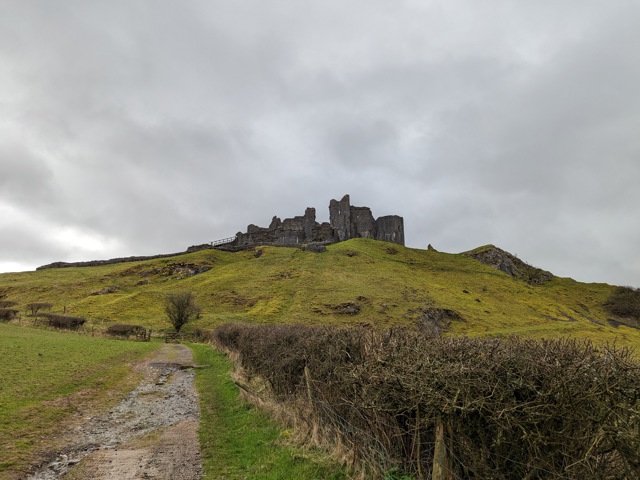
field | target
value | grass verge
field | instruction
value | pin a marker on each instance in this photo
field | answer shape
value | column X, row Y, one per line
column 47, row 378
column 240, row 442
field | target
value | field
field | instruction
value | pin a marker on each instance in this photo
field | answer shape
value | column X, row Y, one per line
column 357, row 281
column 48, row 376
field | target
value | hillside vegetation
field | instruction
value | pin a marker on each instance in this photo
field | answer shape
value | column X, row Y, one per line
column 357, row 281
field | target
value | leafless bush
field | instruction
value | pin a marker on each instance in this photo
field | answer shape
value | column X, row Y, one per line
column 7, row 303
column 509, row 408
column 512, row 408
column 64, row 321
column 125, row 330
column 7, row 314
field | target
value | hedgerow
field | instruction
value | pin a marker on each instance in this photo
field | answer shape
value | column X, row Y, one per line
column 64, row 321
column 125, row 330
column 499, row 408
column 7, row 314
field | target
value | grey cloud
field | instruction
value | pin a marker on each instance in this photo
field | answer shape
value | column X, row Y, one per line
column 25, row 176
column 154, row 125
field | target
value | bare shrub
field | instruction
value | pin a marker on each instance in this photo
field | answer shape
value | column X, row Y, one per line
column 125, row 330
column 507, row 408
column 512, row 408
column 7, row 303
column 64, row 321
column 7, row 314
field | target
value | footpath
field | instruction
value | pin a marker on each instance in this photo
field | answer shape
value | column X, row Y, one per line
column 151, row 434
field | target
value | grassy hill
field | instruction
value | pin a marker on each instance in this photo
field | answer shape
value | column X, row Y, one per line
column 355, row 281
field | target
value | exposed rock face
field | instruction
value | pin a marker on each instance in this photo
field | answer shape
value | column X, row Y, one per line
column 345, row 222
column 510, row 264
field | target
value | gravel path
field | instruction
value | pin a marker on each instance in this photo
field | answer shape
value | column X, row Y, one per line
column 151, row 434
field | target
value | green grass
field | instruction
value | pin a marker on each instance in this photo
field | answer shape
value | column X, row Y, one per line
column 45, row 376
column 295, row 286
column 240, row 442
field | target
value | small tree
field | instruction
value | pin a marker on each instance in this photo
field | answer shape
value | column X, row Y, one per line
column 180, row 308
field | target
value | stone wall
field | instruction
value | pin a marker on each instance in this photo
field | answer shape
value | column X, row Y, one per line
column 345, row 222
column 340, row 218
column 363, row 225
column 390, row 229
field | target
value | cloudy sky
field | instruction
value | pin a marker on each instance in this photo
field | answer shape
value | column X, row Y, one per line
column 144, row 126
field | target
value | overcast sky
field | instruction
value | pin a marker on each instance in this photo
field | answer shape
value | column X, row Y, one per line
column 145, row 126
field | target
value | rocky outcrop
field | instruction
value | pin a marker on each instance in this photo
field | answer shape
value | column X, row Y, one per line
column 345, row 222
column 510, row 264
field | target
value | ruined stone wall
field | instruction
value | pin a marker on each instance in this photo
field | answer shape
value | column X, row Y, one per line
column 345, row 222
column 322, row 233
column 390, row 228
column 290, row 231
column 363, row 225
column 340, row 218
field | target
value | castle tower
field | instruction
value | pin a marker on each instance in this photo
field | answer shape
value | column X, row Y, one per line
column 390, row 229
column 340, row 218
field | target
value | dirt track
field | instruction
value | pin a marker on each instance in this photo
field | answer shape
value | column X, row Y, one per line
column 151, row 434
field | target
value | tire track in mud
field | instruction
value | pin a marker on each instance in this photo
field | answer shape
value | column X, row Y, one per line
column 151, row 434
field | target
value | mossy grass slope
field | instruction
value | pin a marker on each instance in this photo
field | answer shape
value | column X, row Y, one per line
column 385, row 284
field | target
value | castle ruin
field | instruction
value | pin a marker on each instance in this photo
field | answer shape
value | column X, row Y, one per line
column 345, row 222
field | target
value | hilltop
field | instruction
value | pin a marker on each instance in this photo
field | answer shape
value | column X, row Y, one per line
column 355, row 281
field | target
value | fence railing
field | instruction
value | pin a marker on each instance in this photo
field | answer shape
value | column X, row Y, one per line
column 172, row 337
column 222, row 241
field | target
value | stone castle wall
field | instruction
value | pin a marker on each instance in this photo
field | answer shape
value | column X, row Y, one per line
column 345, row 222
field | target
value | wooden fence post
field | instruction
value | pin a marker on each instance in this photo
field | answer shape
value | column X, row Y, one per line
column 442, row 467
column 419, row 444
column 307, row 377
